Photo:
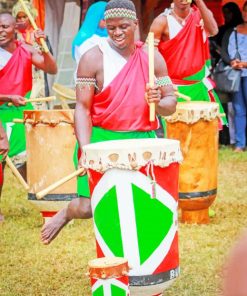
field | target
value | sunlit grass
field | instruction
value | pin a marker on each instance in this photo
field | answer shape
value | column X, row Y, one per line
column 29, row 268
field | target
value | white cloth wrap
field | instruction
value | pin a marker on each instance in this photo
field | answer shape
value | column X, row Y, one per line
column 131, row 154
column 194, row 111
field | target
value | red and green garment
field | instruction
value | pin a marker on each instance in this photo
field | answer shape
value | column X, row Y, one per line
column 120, row 111
column 188, row 61
column 16, row 79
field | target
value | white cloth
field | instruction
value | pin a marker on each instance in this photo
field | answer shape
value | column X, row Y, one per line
column 174, row 26
column 4, row 57
column 113, row 62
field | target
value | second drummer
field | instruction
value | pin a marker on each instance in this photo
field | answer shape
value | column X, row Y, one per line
column 111, row 88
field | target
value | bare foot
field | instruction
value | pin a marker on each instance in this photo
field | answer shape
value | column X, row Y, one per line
column 52, row 227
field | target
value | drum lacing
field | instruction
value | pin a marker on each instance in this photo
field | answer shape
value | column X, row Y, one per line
column 151, row 176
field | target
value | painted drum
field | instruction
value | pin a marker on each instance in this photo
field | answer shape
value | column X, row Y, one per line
column 50, row 143
column 195, row 125
column 134, row 191
column 109, row 276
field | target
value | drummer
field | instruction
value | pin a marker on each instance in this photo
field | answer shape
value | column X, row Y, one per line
column 113, row 102
column 16, row 59
column 181, row 34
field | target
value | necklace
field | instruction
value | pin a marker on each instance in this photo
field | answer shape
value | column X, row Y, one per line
column 181, row 20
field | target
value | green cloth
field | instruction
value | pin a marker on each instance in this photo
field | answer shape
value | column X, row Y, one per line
column 101, row 135
column 15, row 131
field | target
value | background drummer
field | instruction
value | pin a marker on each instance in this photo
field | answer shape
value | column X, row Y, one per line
column 16, row 59
column 111, row 100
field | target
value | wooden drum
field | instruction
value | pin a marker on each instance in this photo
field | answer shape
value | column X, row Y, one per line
column 109, row 276
column 195, row 125
column 50, row 143
column 134, row 191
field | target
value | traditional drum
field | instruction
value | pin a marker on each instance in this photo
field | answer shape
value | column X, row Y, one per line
column 195, row 124
column 109, row 276
column 50, row 143
column 133, row 186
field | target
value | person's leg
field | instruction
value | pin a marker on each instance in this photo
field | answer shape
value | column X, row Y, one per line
column 231, row 123
column 1, row 187
column 240, row 117
column 78, row 208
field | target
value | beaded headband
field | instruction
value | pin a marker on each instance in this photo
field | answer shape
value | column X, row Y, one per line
column 120, row 12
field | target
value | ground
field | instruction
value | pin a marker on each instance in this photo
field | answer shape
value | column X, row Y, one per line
column 29, row 268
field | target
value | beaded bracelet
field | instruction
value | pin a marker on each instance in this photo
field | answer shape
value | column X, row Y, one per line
column 85, row 81
column 163, row 81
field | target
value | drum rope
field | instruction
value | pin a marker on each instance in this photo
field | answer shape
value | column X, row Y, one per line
column 151, row 176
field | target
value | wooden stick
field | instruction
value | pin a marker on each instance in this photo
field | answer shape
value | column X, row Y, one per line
column 27, row 12
column 18, row 120
column 182, row 96
column 60, row 182
column 46, row 99
column 151, row 72
column 16, row 173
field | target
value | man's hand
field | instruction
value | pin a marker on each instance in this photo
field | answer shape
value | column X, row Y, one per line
column 4, row 144
column 152, row 94
column 17, row 100
column 80, row 165
column 39, row 34
column 237, row 64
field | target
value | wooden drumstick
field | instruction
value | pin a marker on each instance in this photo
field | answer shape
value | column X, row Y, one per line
column 60, row 182
column 151, row 72
column 16, row 173
column 182, row 96
column 27, row 12
column 46, row 99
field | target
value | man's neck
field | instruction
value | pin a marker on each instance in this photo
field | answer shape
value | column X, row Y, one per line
column 125, row 52
column 182, row 12
column 10, row 47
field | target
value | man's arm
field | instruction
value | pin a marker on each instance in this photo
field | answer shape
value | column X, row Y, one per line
column 158, row 27
column 210, row 24
column 15, row 99
column 4, row 144
column 163, row 96
column 42, row 60
column 84, row 96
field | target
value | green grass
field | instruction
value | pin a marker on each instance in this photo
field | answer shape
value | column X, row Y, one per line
column 29, row 268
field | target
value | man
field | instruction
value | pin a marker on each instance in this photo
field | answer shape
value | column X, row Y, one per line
column 110, row 88
column 16, row 60
column 181, row 34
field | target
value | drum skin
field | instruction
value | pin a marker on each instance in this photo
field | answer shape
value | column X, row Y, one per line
column 50, row 143
column 198, row 171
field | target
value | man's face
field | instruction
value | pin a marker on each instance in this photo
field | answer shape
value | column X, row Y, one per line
column 244, row 13
column 181, row 4
column 22, row 21
column 7, row 30
column 121, row 31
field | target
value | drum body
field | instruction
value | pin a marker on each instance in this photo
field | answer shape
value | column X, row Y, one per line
column 195, row 125
column 133, row 186
column 50, row 143
column 109, row 276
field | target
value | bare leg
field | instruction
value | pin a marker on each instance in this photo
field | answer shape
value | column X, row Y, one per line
column 1, row 187
column 78, row 208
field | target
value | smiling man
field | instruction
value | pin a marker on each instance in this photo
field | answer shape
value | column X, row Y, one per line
column 16, row 60
column 111, row 87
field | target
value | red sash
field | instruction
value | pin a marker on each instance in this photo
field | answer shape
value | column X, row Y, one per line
column 16, row 76
column 186, row 53
column 121, row 106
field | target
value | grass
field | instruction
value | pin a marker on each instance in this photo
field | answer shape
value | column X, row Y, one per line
column 29, row 268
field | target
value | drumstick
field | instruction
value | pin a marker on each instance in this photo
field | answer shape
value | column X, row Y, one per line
column 60, row 182
column 16, row 173
column 151, row 72
column 182, row 96
column 46, row 99
column 27, row 12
